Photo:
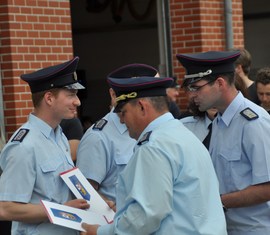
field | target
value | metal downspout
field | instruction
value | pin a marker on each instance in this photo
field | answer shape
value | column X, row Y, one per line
column 164, row 36
column 228, row 24
column 2, row 126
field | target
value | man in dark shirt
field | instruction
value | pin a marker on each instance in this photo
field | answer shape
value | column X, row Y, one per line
column 263, row 87
column 242, row 70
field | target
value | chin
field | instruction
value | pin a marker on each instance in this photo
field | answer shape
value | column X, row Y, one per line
column 132, row 135
column 70, row 116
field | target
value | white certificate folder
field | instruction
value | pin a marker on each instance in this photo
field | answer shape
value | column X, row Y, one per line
column 98, row 213
column 71, row 217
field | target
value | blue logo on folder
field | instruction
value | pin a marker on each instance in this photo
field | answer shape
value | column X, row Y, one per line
column 66, row 215
column 78, row 185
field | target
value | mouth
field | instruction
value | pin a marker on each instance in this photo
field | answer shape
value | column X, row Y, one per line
column 74, row 111
column 196, row 102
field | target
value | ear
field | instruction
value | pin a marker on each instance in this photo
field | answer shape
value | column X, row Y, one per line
column 112, row 93
column 113, row 97
column 143, row 106
column 238, row 68
column 221, row 82
column 49, row 97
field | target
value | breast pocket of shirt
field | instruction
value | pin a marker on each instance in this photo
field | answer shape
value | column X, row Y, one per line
column 229, row 169
column 120, row 161
column 50, row 179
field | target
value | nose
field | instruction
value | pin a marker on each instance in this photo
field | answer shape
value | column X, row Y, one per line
column 262, row 97
column 77, row 101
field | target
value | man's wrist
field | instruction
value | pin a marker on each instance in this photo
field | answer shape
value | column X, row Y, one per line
column 225, row 209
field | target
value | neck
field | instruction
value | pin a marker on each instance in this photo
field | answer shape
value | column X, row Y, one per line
column 228, row 97
column 266, row 107
column 46, row 117
column 247, row 81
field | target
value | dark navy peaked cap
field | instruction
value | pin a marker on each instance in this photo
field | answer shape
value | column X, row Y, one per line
column 57, row 76
column 138, row 87
column 133, row 70
column 201, row 65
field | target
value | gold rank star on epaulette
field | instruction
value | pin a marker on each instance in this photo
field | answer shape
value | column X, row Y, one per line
column 145, row 138
column 249, row 114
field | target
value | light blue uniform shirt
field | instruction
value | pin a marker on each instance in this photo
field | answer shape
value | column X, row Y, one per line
column 240, row 151
column 103, row 153
column 198, row 126
column 169, row 186
column 31, row 171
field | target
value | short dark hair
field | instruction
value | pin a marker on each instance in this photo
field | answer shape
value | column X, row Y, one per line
column 38, row 96
column 228, row 76
column 244, row 60
column 263, row 76
column 241, row 86
column 160, row 103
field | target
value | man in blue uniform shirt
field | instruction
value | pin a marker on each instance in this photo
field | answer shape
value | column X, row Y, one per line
column 106, row 147
column 169, row 185
column 239, row 146
column 38, row 152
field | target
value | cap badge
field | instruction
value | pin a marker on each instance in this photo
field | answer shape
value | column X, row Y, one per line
column 131, row 95
column 200, row 75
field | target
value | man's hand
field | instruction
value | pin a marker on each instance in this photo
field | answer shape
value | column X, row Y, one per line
column 111, row 204
column 78, row 203
column 90, row 229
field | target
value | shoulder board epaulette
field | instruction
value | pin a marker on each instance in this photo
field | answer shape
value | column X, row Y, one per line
column 99, row 125
column 145, row 138
column 20, row 135
column 249, row 114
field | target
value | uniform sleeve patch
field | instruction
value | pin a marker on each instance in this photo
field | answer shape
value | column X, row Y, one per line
column 20, row 135
column 99, row 125
column 145, row 138
column 249, row 114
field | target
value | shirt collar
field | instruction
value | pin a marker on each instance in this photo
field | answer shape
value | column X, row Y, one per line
column 46, row 129
column 161, row 119
column 207, row 120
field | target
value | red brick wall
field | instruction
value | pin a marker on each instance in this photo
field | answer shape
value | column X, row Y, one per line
column 37, row 33
column 199, row 25
column 34, row 34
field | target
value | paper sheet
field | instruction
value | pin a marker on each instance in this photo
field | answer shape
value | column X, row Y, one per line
column 98, row 213
column 71, row 217
column 81, row 188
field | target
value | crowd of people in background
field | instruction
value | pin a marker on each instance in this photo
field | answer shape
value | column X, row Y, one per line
column 203, row 170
